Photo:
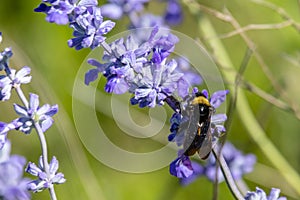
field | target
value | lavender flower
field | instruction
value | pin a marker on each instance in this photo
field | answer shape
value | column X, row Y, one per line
column 259, row 194
column 89, row 29
column 141, row 26
column 15, row 79
column 12, row 184
column 4, row 57
column 173, row 13
column 57, row 11
column 158, row 82
column 34, row 113
column 83, row 16
column 44, row 180
column 124, row 59
column 181, row 167
column 4, row 128
column 141, row 69
column 238, row 164
column 115, row 9
column 63, row 11
column 190, row 76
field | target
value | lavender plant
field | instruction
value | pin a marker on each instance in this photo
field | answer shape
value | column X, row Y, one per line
column 12, row 183
column 140, row 65
column 31, row 116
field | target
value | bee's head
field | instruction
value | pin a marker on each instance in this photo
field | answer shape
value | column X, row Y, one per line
column 201, row 100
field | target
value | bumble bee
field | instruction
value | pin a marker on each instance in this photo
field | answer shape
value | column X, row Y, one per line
column 197, row 129
column 198, row 137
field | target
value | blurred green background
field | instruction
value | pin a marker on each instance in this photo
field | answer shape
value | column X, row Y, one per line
column 43, row 47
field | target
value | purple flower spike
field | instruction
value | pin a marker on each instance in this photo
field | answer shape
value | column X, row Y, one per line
column 115, row 9
column 44, row 181
column 158, row 82
column 42, row 115
column 197, row 171
column 4, row 57
column 181, row 167
column 218, row 98
column 190, row 75
column 89, row 29
column 14, row 80
column 173, row 15
column 12, row 183
column 4, row 128
column 259, row 194
column 57, row 11
column 238, row 163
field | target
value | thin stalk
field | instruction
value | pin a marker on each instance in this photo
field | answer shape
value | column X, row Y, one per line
column 106, row 47
column 227, row 175
column 42, row 139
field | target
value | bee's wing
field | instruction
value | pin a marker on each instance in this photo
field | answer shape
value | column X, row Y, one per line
column 190, row 133
column 206, row 146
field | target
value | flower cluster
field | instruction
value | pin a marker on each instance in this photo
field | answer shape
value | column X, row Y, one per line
column 12, row 183
column 259, row 194
column 238, row 164
column 141, row 69
column 83, row 16
column 86, row 17
column 184, row 169
column 44, row 181
column 31, row 116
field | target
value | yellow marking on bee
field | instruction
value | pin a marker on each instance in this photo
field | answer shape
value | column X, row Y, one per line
column 199, row 131
column 200, row 100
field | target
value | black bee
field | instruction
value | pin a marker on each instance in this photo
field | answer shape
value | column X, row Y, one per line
column 197, row 129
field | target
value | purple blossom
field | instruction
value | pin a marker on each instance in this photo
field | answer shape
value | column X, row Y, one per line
column 12, row 184
column 34, row 113
column 4, row 128
column 57, row 11
column 64, row 11
column 162, row 46
column 115, row 9
column 125, row 59
column 83, row 16
column 238, row 163
column 192, row 77
column 4, row 56
column 259, row 194
column 15, row 79
column 158, row 81
column 139, row 69
column 173, row 13
column 198, row 170
column 44, row 180
column 142, row 25
column 181, row 167
column 89, row 29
